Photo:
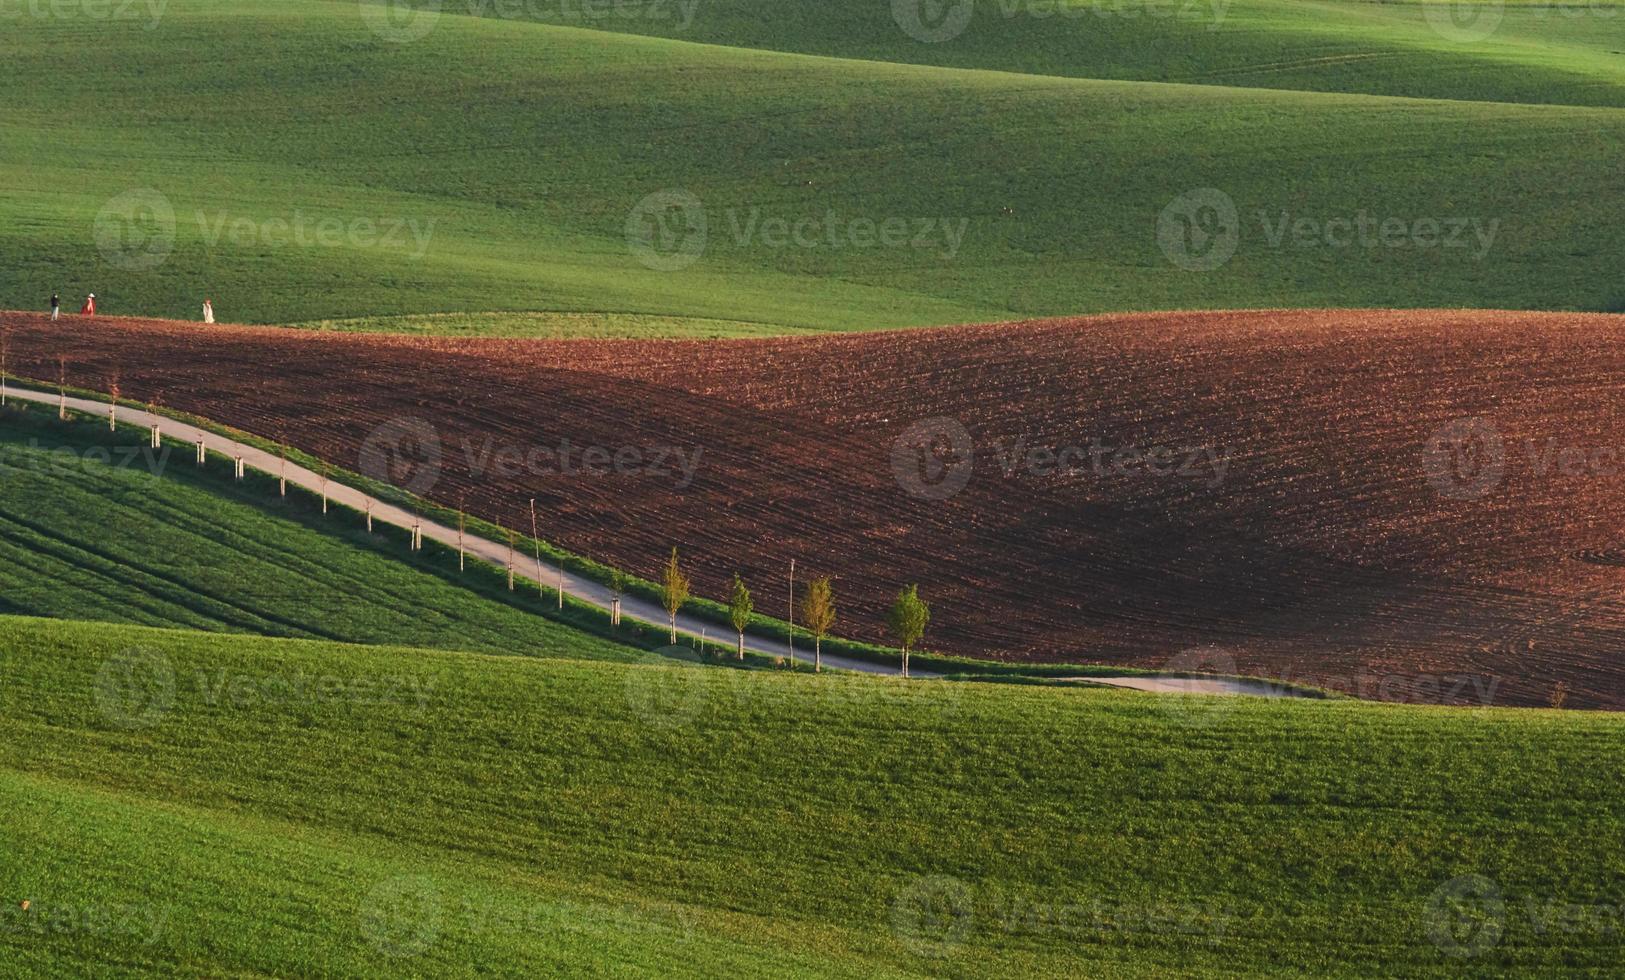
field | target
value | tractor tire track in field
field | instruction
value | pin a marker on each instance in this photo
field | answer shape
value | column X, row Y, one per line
column 1325, row 551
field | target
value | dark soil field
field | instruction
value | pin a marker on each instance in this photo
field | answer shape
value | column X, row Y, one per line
column 1408, row 506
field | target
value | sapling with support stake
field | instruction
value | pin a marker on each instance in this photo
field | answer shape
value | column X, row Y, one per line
column 157, row 435
column 462, row 531
column 673, row 591
column 907, row 619
column 818, row 613
column 617, row 586
column 512, row 539
column 739, row 610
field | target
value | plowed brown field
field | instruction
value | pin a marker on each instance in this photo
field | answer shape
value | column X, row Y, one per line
column 1418, row 506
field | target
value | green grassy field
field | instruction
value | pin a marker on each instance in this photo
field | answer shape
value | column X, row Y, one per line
column 306, row 168
column 112, row 534
column 1537, row 51
column 527, row 815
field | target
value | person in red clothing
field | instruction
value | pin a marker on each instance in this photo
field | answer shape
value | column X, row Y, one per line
column 90, row 306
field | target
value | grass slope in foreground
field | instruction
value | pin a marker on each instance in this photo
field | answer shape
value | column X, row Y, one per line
column 143, row 537
column 497, row 166
column 831, row 824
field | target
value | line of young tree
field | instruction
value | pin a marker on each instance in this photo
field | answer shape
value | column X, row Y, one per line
column 907, row 618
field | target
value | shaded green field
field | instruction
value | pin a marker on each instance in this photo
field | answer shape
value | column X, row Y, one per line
column 694, row 821
column 311, row 169
column 1538, row 51
column 141, row 537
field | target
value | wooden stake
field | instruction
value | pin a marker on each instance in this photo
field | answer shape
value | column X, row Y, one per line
column 510, row 561
column 201, row 452
column 540, row 588
column 157, row 437
column 369, row 515
column 239, row 467
column 461, row 528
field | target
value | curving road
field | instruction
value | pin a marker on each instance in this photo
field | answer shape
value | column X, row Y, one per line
column 492, row 552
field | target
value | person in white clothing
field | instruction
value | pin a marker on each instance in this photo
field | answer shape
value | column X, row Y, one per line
column 208, row 312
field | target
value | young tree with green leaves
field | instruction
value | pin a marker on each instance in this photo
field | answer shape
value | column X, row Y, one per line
column 818, row 616
column 739, row 609
column 907, row 619
column 674, row 587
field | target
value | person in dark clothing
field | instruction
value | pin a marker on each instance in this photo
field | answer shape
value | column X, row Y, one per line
column 56, row 305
